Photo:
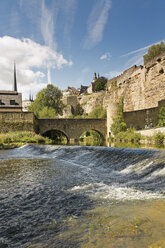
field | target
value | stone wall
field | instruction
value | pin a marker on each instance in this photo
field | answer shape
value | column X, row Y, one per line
column 141, row 118
column 17, row 122
column 141, row 86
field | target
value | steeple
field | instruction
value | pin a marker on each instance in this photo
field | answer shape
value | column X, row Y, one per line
column 15, row 79
column 30, row 98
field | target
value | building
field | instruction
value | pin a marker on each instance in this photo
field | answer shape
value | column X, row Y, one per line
column 90, row 89
column 27, row 103
column 11, row 101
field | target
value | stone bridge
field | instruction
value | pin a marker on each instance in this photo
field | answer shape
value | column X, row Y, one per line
column 73, row 128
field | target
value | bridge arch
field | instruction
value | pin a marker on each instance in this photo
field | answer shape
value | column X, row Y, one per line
column 97, row 137
column 58, row 136
column 73, row 128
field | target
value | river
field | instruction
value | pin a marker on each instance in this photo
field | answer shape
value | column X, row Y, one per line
column 63, row 197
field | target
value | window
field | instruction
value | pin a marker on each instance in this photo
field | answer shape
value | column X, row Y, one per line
column 12, row 102
column 1, row 103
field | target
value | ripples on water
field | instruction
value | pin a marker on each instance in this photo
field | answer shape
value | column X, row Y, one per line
column 81, row 197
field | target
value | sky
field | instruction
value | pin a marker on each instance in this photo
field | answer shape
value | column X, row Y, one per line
column 63, row 42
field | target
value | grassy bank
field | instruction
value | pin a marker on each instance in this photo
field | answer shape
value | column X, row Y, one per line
column 131, row 137
column 16, row 139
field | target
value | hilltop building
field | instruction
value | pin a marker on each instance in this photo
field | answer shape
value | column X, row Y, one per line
column 26, row 103
column 11, row 101
column 92, row 85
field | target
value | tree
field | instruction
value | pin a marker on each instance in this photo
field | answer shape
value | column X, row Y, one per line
column 78, row 110
column 47, row 112
column 161, row 117
column 98, row 112
column 49, row 97
column 100, row 84
column 118, row 124
column 154, row 51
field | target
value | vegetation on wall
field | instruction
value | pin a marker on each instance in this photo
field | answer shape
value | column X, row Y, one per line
column 154, row 51
column 48, row 103
column 118, row 124
column 114, row 85
column 100, row 84
column 98, row 112
column 78, row 110
column 161, row 117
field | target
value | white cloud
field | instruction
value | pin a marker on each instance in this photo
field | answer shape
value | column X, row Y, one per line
column 47, row 25
column 106, row 56
column 31, row 58
column 96, row 23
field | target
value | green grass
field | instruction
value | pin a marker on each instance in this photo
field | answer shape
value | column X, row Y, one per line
column 14, row 139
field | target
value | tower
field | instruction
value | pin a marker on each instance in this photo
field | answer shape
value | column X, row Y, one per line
column 95, row 77
column 15, row 79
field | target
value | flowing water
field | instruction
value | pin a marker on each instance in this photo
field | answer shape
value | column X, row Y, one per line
column 85, row 197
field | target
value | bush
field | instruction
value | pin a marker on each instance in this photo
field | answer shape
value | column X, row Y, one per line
column 161, row 117
column 78, row 110
column 100, row 84
column 130, row 136
column 98, row 112
column 159, row 138
column 154, row 51
column 22, row 138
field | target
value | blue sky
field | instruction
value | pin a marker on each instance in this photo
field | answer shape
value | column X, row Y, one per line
column 64, row 42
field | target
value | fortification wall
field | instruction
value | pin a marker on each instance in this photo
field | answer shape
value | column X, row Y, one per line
column 142, row 86
column 17, row 122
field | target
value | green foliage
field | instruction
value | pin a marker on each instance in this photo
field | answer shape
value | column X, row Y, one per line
column 118, row 124
column 78, row 110
column 20, row 138
column 91, row 138
column 161, row 117
column 57, row 137
column 100, row 84
column 98, row 112
column 114, row 85
column 47, row 112
column 159, row 138
column 154, row 51
column 49, row 97
column 129, row 136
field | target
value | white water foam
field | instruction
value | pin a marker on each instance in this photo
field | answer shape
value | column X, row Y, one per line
column 138, row 168
column 114, row 192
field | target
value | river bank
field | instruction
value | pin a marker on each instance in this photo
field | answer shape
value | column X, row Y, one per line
column 16, row 139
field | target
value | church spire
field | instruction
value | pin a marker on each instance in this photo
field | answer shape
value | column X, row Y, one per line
column 15, row 79
column 30, row 96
